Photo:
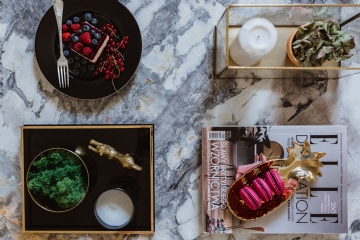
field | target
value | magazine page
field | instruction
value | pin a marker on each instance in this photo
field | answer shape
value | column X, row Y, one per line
column 316, row 207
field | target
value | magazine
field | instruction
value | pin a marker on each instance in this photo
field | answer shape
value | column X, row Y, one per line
column 316, row 207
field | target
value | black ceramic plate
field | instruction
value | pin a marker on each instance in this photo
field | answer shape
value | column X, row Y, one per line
column 80, row 87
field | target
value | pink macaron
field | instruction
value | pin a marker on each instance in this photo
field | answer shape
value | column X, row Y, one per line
column 250, row 198
column 273, row 179
column 262, row 189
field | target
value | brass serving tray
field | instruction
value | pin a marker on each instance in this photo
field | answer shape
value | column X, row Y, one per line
column 133, row 139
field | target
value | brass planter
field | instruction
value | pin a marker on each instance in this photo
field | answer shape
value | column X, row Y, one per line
column 50, row 204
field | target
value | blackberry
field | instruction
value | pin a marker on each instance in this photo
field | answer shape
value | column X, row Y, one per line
column 77, row 64
column 76, row 20
column 94, row 21
column 71, row 61
column 68, row 22
column 91, row 67
column 76, row 72
column 83, row 69
column 88, row 17
column 83, row 61
column 85, row 28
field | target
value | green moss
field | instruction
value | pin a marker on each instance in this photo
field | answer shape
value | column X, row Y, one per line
column 57, row 175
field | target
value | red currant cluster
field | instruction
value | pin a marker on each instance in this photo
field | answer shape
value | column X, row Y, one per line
column 113, row 64
column 110, row 29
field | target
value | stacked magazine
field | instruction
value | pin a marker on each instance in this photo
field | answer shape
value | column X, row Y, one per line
column 316, row 207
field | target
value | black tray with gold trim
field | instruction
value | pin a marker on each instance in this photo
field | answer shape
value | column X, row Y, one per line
column 136, row 140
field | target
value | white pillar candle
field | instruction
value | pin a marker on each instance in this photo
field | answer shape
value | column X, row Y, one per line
column 256, row 38
column 114, row 208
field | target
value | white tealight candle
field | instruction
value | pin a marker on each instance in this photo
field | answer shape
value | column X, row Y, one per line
column 256, row 38
column 114, row 208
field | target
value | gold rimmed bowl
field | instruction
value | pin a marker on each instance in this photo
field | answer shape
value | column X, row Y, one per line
column 57, row 180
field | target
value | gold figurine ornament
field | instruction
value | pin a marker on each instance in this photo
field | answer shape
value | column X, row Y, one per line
column 126, row 160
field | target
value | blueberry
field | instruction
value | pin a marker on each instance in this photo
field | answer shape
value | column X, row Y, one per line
column 77, row 64
column 77, row 57
column 91, row 67
column 83, row 61
column 68, row 22
column 88, row 16
column 76, row 20
column 83, row 69
column 79, row 32
column 71, row 61
column 75, row 38
column 86, row 28
column 76, row 72
column 94, row 21
column 66, row 53
column 92, row 32
column 97, row 36
column 94, row 42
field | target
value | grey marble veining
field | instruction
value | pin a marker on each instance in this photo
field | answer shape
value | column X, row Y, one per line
column 173, row 89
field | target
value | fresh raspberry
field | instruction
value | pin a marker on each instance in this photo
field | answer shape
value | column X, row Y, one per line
column 86, row 51
column 65, row 28
column 66, row 37
column 75, row 27
column 78, row 46
column 85, row 38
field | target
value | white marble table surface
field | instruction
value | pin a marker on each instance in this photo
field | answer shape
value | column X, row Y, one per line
column 173, row 89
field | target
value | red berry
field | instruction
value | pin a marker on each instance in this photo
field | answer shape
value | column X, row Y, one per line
column 65, row 28
column 75, row 27
column 109, row 58
column 122, row 46
column 122, row 69
column 66, row 37
column 107, row 77
column 107, row 25
column 98, row 69
column 121, row 64
column 112, row 65
column 85, row 38
column 86, row 51
column 126, row 38
column 113, row 44
column 104, row 28
column 96, row 73
column 78, row 46
column 126, row 42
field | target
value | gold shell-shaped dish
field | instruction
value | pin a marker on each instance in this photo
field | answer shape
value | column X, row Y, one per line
column 238, row 207
column 302, row 163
